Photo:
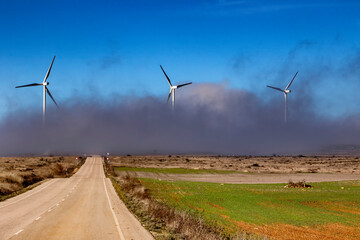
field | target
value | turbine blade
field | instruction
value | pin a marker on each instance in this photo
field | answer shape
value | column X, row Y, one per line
column 279, row 89
column 166, row 76
column 47, row 90
column 29, row 85
column 181, row 85
column 291, row 81
column 169, row 95
column 48, row 72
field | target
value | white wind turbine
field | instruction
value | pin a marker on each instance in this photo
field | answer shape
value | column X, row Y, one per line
column 285, row 91
column 172, row 88
column 45, row 88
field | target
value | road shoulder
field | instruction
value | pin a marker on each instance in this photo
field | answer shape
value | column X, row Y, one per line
column 129, row 224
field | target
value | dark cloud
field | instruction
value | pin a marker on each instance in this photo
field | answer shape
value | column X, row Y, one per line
column 209, row 119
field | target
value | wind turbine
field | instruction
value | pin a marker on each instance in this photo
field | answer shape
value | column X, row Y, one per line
column 172, row 88
column 285, row 91
column 45, row 88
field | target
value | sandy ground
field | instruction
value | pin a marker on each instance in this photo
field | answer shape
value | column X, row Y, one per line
column 84, row 206
column 249, row 169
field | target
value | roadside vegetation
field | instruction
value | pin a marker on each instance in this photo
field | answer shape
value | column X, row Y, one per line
column 163, row 220
column 168, row 222
column 20, row 174
column 296, row 210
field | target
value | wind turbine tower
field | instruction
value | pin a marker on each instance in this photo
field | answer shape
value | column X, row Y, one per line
column 45, row 90
column 285, row 91
column 172, row 88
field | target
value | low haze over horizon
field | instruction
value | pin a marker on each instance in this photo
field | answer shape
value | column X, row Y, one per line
column 108, row 55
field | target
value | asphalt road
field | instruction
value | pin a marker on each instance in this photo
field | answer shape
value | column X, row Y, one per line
column 84, row 206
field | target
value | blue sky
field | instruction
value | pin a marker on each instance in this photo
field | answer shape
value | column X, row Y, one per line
column 111, row 47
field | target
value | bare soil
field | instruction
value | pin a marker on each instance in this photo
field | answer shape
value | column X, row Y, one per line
column 245, row 169
column 247, row 164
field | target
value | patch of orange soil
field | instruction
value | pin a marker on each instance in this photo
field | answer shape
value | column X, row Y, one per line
column 282, row 231
column 176, row 199
column 340, row 206
column 216, row 206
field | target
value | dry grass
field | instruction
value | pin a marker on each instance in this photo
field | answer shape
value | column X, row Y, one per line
column 19, row 173
column 11, row 178
column 8, row 188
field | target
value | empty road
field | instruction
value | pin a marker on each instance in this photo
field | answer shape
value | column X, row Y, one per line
column 84, row 206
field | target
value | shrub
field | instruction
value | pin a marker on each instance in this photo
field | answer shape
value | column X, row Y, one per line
column 12, row 178
column 301, row 184
column 30, row 179
column 58, row 169
column 7, row 188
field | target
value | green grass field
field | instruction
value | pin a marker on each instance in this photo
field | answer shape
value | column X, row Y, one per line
column 264, row 204
column 172, row 170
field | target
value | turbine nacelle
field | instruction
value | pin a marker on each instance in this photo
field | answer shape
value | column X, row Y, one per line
column 285, row 91
column 46, row 89
column 172, row 88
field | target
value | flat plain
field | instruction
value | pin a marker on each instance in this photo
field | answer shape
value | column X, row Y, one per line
column 246, row 164
column 204, row 186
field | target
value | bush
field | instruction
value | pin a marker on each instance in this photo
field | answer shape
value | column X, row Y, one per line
column 58, row 169
column 12, row 178
column 301, row 184
column 8, row 188
column 31, row 179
